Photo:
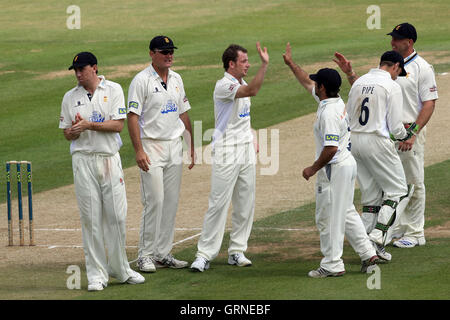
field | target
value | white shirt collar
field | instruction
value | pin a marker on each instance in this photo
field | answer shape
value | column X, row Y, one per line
column 155, row 74
column 411, row 55
column 326, row 101
column 102, row 83
column 382, row 72
column 229, row 76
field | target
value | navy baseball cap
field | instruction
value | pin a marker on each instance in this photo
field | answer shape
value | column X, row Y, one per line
column 394, row 56
column 404, row 31
column 161, row 43
column 330, row 78
column 83, row 59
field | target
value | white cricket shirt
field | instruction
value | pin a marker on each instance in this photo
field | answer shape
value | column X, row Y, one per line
column 107, row 103
column 418, row 85
column 375, row 105
column 331, row 128
column 232, row 116
column 158, row 109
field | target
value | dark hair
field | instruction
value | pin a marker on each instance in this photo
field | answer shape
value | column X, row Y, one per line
column 331, row 93
column 386, row 63
column 231, row 54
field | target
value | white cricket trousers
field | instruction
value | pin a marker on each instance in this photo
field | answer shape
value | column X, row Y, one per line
column 380, row 176
column 160, row 190
column 412, row 221
column 336, row 216
column 101, row 196
column 233, row 179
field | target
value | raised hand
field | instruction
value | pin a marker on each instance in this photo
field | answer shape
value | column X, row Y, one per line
column 287, row 56
column 343, row 63
column 263, row 54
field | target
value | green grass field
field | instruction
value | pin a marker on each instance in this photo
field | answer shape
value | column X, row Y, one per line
column 35, row 42
column 281, row 262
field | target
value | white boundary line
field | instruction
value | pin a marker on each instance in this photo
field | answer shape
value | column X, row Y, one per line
column 180, row 229
column 50, row 246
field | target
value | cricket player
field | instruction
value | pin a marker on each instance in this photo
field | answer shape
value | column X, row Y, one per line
column 233, row 175
column 157, row 120
column 375, row 112
column 419, row 97
column 92, row 115
column 335, row 166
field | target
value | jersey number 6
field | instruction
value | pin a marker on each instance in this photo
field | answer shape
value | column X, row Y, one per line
column 364, row 111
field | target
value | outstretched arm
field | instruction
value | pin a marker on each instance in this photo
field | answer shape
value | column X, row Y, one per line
column 346, row 67
column 301, row 75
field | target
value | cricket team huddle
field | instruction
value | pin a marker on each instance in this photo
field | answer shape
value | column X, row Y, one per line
column 376, row 138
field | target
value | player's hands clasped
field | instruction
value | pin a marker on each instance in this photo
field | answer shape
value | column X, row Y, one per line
column 79, row 125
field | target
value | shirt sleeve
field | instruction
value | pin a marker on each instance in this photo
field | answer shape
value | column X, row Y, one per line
column 313, row 92
column 226, row 90
column 183, row 101
column 427, row 84
column 330, row 128
column 136, row 95
column 65, row 120
column 394, row 114
column 117, row 110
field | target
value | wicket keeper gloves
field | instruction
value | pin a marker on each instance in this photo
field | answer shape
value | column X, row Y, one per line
column 411, row 130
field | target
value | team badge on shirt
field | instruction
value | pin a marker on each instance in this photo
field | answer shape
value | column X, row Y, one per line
column 105, row 99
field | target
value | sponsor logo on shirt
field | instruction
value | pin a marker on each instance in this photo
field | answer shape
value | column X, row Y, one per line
column 133, row 104
column 331, row 137
column 232, row 86
column 105, row 99
column 245, row 112
column 169, row 107
column 185, row 99
column 433, row 89
column 61, row 119
column 122, row 110
column 96, row 117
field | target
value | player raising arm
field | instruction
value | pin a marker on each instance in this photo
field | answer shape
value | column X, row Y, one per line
column 335, row 166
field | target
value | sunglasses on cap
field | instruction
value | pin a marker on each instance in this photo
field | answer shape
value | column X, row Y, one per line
column 165, row 52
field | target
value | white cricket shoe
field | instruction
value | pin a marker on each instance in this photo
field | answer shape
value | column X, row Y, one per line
column 135, row 278
column 170, row 262
column 409, row 242
column 96, row 286
column 145, row 264
column 239, row 259
column 200, row 264
column 322, row 273
column 381, row 252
